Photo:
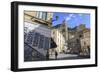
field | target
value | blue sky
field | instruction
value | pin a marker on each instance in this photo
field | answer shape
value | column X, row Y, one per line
column 72, row 19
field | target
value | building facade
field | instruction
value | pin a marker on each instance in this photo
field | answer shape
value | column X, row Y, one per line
column 85, row 42
column 59, row 39
column 37, row 35
column 44, row 18
column 79, row 40
column 60, row 36
column 73, row 41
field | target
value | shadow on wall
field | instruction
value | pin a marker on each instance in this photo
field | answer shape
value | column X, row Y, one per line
column 37, row 42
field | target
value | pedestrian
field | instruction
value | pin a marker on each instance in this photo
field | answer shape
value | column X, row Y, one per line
column 47, row 55
column 56, row 54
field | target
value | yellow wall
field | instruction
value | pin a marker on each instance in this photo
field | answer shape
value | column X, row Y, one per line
column 59, row 39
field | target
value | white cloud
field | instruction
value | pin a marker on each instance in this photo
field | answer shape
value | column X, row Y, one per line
column 67, row 18
column 71, row 15
column 80, row 14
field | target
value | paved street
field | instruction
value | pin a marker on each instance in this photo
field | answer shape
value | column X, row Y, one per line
column 62, row 56
column 66, row 56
